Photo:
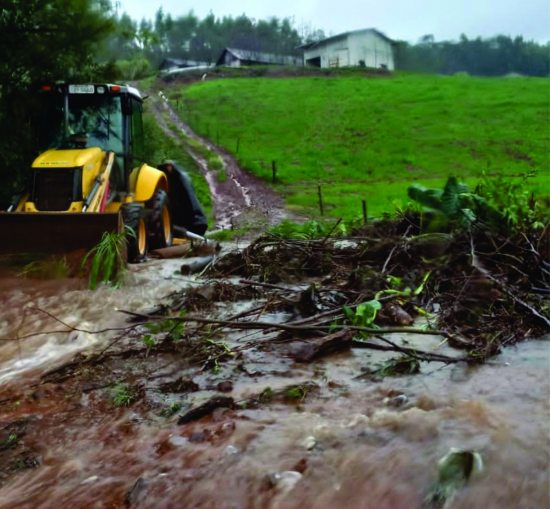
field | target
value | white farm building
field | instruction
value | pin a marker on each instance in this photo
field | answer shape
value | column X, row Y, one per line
column 360, row 48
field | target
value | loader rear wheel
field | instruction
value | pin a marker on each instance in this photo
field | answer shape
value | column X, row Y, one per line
column 159, row 224
column 136, row 241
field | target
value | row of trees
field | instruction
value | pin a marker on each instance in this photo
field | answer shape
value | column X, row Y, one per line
column 142, row 46
column 188, row 37
column 85, row 40
column 496, row 56
column 42, row 42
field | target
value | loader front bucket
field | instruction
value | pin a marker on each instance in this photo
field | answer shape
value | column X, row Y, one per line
column 53, row 232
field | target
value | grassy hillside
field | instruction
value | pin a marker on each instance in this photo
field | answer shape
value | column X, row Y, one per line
column 368, row 138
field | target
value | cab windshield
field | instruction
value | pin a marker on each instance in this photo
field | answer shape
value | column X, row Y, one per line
column 92, row 120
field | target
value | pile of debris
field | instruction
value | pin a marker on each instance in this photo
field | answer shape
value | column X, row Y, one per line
column 387, row 282
column 482, row 290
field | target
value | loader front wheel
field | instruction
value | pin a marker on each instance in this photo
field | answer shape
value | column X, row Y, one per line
column 159, row 224
column 136, row 238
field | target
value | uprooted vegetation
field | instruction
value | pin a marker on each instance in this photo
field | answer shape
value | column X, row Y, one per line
column 283, row 301
column 478, row 288
column 480, row 281
column 484, row 289
column 467, row 270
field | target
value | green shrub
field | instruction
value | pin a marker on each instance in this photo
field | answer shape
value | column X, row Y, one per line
column 122, row 395
column 136, row 68
column 108, row 259
column 519, row 206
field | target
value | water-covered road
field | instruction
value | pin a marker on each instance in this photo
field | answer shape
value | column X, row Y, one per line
column 348, row 442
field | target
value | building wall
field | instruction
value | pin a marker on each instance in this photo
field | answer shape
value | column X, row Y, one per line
column 375, row 51
column 333, row 54
column 363, row 48
column 231, row 60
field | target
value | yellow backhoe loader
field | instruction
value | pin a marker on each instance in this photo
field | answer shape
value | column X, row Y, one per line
column 90, row 177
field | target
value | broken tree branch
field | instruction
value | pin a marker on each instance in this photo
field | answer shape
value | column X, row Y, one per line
column 292, row 328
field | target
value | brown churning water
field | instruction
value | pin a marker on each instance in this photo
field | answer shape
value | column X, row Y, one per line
column 353, row 444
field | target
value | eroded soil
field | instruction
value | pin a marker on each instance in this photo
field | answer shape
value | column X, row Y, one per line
column 346, row 442
column 240, row 199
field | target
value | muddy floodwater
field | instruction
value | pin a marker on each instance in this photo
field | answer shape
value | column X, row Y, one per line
column 347, row 441
column 33, row 305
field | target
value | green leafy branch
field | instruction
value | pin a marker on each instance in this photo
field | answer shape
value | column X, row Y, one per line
column 108, row 259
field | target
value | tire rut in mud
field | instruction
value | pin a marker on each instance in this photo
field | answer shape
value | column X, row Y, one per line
column 239, row 200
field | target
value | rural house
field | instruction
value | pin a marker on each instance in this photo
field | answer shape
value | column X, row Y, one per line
column 360, row 48
column 236, row 57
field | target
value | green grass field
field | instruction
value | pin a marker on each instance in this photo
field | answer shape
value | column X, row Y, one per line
column 369, row 138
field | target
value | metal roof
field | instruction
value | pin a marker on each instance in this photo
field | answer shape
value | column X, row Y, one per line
column 169, row 63
column 343, row 36
column 257, row 56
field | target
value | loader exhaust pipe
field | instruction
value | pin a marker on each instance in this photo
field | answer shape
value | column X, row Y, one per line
column 184, row 233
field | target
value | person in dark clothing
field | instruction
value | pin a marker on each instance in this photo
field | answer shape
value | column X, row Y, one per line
column 186, row 210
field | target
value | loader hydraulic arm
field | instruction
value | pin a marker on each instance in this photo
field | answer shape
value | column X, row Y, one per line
column 96, row 199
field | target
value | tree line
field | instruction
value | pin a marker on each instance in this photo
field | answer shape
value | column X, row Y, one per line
column 495, row 56
column 44, row 41
column 141, row 46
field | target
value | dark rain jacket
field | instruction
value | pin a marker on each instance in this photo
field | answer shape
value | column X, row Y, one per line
column 184, row 205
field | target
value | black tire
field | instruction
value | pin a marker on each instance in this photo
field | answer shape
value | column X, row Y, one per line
column 136, row 242
column 159, row 221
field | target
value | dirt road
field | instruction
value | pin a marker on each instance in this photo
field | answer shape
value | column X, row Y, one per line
column 240, row 199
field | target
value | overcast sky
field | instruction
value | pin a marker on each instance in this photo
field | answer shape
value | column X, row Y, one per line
column 398, row 19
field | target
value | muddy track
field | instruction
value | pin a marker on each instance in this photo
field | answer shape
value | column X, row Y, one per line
column 241, row 199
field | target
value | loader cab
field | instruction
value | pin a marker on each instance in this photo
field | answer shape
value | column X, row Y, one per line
column 95, row 115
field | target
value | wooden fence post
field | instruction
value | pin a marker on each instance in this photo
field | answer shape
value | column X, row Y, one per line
column 364, row 203
column 320, row 193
